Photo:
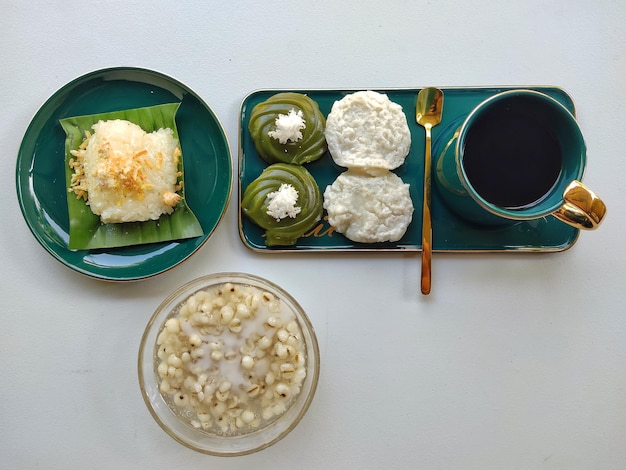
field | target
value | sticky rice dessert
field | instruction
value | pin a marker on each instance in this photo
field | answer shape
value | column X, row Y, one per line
column 126, row 174
column 367, row 130
column 369, row 209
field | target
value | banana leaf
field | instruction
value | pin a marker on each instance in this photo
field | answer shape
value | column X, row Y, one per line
column 86, row 229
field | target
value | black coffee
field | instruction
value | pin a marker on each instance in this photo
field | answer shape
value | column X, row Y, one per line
column 511, row 160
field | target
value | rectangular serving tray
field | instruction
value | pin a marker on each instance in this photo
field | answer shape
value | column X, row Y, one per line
column 450, row 233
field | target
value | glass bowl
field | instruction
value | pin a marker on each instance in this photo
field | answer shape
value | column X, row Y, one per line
column 228, row 364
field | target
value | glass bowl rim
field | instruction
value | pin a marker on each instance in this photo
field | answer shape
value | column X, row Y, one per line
column 300, row 405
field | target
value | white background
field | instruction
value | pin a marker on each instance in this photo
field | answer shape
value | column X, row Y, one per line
column 515, row 361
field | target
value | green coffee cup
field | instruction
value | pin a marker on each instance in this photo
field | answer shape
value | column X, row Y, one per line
column 519, row 155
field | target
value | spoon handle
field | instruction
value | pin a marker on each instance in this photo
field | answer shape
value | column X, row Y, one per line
column 427, row 230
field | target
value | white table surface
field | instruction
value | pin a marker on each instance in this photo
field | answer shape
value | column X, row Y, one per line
column 515, row 361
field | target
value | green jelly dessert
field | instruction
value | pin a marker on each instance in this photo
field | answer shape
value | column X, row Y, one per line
column 288, row 128
column 285, row 200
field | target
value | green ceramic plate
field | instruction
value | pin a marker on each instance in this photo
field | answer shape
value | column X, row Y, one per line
column 41, row 182
column 449, row 232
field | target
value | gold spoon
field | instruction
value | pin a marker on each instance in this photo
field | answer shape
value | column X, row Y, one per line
column 428, row 114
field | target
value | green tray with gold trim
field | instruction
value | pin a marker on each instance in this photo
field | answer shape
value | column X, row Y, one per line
column 450, row 233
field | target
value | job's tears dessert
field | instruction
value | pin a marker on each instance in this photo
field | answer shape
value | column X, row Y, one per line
column 231, row 359
column 288, row 128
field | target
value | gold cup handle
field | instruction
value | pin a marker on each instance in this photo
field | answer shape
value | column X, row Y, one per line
column 582, row 208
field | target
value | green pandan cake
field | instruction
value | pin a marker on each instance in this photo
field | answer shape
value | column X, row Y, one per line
column 284, row 200
column 288, row 128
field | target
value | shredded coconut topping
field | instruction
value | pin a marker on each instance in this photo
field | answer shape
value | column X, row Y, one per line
column 282, row 203
column 288, row 127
